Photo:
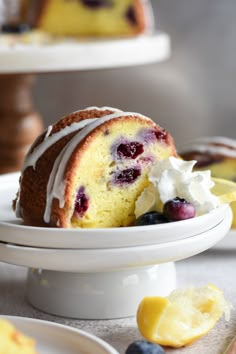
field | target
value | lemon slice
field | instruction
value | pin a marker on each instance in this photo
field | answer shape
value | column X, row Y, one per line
column 182, row 317
column 224, row 189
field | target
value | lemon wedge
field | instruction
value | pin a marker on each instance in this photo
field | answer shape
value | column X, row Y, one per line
column 224, row 189
column 182, row 317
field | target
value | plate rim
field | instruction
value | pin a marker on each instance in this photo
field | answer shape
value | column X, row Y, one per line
column 108, row 237
column 110, row 259
column 41, row 58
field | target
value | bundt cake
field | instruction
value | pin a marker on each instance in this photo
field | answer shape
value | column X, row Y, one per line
column 89, row 168
column 217, row 154
column 93, row 17
column 82, row 17
column 12, row 341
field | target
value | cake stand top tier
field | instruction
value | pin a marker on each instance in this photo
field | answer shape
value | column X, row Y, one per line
column 83, row 55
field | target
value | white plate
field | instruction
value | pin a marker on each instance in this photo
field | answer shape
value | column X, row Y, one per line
column 84, row 55
column 101, row 260
column 12, row 230
column 53, row 338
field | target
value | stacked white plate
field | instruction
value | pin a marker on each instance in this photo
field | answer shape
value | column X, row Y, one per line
column 101, row 273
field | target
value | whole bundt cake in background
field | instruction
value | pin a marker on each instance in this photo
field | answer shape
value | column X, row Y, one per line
column 89, row 168
column 93, row 17
column 78, row 18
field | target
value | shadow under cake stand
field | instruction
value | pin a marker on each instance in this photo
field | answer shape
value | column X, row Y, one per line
column 20, row 123
column 101, row 273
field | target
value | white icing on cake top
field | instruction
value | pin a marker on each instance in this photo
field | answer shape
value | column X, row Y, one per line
column 214, row 145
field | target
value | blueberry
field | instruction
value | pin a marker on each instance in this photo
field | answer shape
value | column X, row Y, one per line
column 131, row 16
column 15, row 28
column 127, row 176
column 81, row 202
column 178, row 209
column 151, row 135
column 151, row 218
column 130, row 150
column 162, row 135
column 144, row 347
column 97, row 3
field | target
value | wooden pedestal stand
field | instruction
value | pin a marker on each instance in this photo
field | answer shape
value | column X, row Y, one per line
column 19, row 123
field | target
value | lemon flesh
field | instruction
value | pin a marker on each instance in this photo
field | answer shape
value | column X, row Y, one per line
column 182, row 317
column 224, row 189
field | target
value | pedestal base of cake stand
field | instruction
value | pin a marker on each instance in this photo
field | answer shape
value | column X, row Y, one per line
column 107, row 295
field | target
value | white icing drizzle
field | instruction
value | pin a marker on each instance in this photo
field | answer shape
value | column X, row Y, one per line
column 48, row 132
column 50, row 195
column 48, row 141
column 204, row 145
column 56, row 185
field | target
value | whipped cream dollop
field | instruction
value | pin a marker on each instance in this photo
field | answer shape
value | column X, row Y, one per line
column 173, row 177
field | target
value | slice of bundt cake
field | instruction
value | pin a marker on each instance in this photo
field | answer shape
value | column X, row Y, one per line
column 93, row 17
column 88, row 169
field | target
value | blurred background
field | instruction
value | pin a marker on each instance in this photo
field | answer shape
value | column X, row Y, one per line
column 192, row 94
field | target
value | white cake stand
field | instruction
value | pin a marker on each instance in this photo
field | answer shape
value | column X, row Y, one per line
column 19, row 63
column 84, row 55
column 97, row 282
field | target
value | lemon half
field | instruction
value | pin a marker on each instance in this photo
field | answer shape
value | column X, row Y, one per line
column 224, row 189
column 182, row 317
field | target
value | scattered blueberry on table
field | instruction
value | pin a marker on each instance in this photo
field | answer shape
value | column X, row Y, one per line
column 144, row 347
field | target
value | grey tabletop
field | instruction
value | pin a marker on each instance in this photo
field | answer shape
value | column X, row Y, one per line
column 213, row 266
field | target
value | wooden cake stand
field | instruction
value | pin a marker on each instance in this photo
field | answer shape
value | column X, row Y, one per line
column 20, row 122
